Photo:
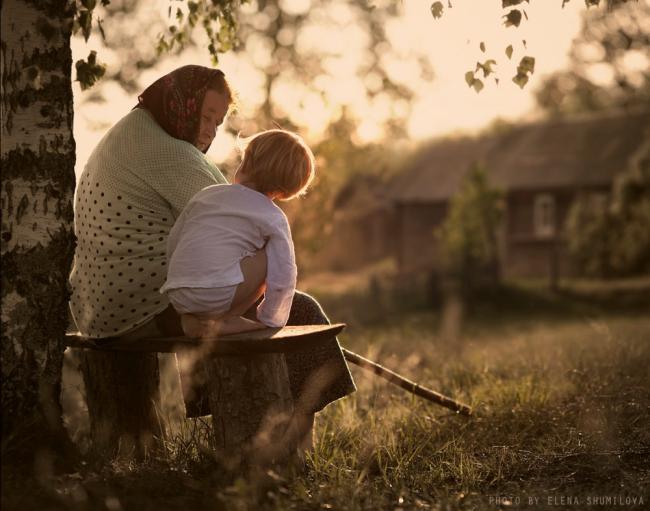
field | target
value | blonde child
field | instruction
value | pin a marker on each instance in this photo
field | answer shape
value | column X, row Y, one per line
column 218, row 246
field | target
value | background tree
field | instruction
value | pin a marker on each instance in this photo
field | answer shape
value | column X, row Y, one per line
column 468, row 248
column 609, row 67
column 609, row 63
column 468, row 236
column 613, row 240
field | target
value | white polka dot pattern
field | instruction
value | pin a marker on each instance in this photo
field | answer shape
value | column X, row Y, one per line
column 134, row 186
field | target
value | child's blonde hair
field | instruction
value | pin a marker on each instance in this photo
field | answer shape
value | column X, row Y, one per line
column 278, row 161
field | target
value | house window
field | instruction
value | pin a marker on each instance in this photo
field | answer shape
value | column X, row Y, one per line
column 544, row 216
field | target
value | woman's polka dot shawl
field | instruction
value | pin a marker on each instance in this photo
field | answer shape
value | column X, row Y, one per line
column 134, row 185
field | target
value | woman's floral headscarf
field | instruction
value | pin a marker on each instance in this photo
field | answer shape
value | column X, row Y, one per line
column 175, row 100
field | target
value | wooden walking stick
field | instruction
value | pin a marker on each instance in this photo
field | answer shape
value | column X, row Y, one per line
column 406, row 384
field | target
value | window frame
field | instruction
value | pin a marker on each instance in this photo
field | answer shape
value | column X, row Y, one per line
column 544, row 216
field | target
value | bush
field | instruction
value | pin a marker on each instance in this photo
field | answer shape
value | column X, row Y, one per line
column 468, row 237
column 614, row 241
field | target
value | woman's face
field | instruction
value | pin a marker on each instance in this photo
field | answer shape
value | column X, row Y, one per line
column 213, row 110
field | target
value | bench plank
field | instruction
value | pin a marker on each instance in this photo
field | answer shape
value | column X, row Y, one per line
column 269, row 340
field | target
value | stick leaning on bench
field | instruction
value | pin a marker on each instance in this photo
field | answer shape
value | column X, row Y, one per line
column 406, row 384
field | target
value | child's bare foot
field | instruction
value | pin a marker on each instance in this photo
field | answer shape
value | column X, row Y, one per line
column 237, row 324
column 195, row 326
column 203, row 327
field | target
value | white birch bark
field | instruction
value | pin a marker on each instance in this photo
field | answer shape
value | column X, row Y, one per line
column 37, row 155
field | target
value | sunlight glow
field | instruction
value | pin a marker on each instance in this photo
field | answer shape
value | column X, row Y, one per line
column 445, row 104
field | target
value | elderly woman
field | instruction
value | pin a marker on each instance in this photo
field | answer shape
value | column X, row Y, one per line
column 135, row 184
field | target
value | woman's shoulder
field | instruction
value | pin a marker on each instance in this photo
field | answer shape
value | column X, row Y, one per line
column 160, row 151
column 140, row 127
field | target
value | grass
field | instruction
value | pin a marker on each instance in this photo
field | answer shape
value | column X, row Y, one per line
column 562, row 400
column 559, row 410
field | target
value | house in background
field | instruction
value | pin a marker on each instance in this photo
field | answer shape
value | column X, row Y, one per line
column 540, row 167
column 363, row 223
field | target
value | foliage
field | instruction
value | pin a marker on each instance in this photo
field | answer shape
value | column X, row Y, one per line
column 601, row 71
column 279, row 40
column 217, row 18
column 615, row 240
column 513, row 16
column 221, row 21
column 276, row 39
column 468, row 237
column 88, row 70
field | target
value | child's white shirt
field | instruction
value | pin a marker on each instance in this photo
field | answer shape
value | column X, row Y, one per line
column 220, row 226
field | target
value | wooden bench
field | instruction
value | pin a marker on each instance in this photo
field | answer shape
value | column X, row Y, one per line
column 247, row 386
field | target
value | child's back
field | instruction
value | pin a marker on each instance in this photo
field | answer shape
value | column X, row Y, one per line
column 220, row 226
column 223, row 225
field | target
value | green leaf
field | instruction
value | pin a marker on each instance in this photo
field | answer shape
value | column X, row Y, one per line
column 89, row 70
column 482, row 46
column 473, row 82
column 520, row 79
column 526, row 65
column 486, row 67
column 101, row 29
column 513, row 18
column 85, row 22
column 436, row 9
column 509, row 51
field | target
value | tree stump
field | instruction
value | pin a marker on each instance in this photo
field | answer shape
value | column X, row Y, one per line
column 252, row 407
column 123, row 396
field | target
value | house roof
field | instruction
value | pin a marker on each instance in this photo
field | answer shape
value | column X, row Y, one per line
column 585, row 150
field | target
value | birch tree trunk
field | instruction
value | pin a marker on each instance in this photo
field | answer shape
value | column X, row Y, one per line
column 38, row 157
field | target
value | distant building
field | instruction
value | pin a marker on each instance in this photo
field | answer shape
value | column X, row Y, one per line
column 363, row 222
column 541, row 167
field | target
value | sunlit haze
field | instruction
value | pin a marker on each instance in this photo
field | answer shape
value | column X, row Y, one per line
column 442, row 104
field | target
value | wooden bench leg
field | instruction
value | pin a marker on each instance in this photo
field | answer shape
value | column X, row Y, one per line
column 251, row 403
column 123, row 396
